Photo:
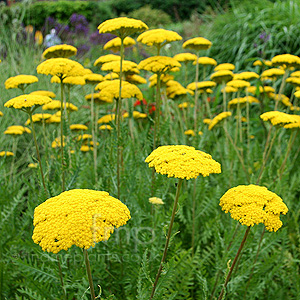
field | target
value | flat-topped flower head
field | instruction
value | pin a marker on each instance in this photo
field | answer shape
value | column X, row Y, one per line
column 182, row 161
column 78, row 127
column 222, row 76
column 138, row 115
column 190, row 132
column 217, row 119
column 159, row 64
column 98, row 99
column 27, row 102
column 158, row 37
column 229, row 89
column 185, row 57
column 238, row 84
column 135, row 79
column 260, row 89
column 286, row 60
column 55, row 118
column 197, row 43
column 105, row 59
column 93, row 78
column 128, row 67
column 224, row 66
column 72, row 80
column 205, row 61
column 36, row 118
column 20, row 81
column 296, row 124
column 61, row 67
column 17, row 130
column 6, row 153
column 43, row 93
column 174, row 88
column 79, row 217
column 253, row 204
column 164, row 78
column 246, row 76
column 56, row 105
column 115, row 44
column 295, row 81
column 278, row 118
column 242, row 101
column 105, row 127
column 122, row 27
column 63, row 51
column 272, row 73
column 201, row 85
column 156, row 201
column 106, row 119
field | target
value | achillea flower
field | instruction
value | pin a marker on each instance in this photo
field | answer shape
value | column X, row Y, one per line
column 56, row 104
column 225, row 66
column 217, row 119
column 115, row 44
column 78, row 127
column 201, row 85
column 85, row 136
column 138, row 115
column 135, row 79
column 185, row 105
column 282, row 98
column 229, row 89
column 197, row 43
column 278, row 118
column 105, row 59
column 287, row 60
column 297, row 94
column 19, row 81
column 111, row 76
column 245, row 76
column 296, row 124
column 253, row 204
column 260, row 89
column 295, row 74
column 200, row 133
column 72, row 80
column 238, row 84
column 107, row 118
column 206, row 61
column 77, row 217
column 174, row 89
column 33, row 165
column 122, row 27
column 93, row 78
column 98, row 99
column 55, row 118
column 158, row 37
column 207, row 121
column 182, row 161
column 61, row 67
column 257, row 63
column 62, row 51
column 184, row 57
column 164, row 78
column 86, row 148
column 159, row 64
column 27, row 101
column 294, row 81
column 43, row 93
column 1, row 114
column 105, row 127
column 6, row 153
column 222, row 76
column 128, row 67
column 156, row 201
column 272, row 73
column 57, row 142
column 190, row 132
column 17, row 130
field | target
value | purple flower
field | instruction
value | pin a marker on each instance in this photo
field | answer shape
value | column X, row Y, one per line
column 82, row 50
column 100, row 39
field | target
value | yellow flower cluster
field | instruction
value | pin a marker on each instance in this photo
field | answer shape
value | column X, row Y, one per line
column 86, row 148
column 190, row 132
column 206, row 61
column 155, row 200
column 43, row 93
column 61, row 67
column 85, row 136
column 242, row 101
column 229, row 89
column 93, row 78
column 174, row 88
column 182, row 161
column 107, row 118
column 260, row 89
column 296, row 124
column 105, row 59
column 6, row 153
column 115, row 44
column 17, row 130
column 217, row 119
column 159, row 64
column 272, row 73
column 128, row 67
column 56, row 104
column 163, row 79
column 222, row 76
column 225, row 66
column 19, row 80
column 78, row 127
column 286, row 60
column 197, row 43
column 55, row 118
column 184, row 57
column 135, row 79
column 294, row 81
column 158, row 37
column 78, row 217
column 27, row 101
column 33, row 165
column 201, row 85
column 99, row 99
column 246, row 76
column 185, row 105
column 72, row 80
column 252, row 204
column 105, row 127
column 138, row 115
column 57, row 142
column 56, row 51
column 238, row 84
column 111, row 76
column 278, row 118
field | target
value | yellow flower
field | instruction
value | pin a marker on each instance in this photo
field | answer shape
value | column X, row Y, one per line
column 278, row 118
column 122, row 26
column 272, row 73
column 56, row 104
column 229, row 89
column 190, row 132
column 38, row 38
column 197, row 43
column 260, row 89
column 17, row 130
column 253, row 204
column 238, row 84
column 72, row 80
column 106, row 119
column 225, row 66
column 174, row 89
column 128, row 67
column 282, row 98
column 115, row 44
column 200, row 133
column 297, row 94
column 182, row 161
column 19, row 81
column 33, row 165
column 287, row 60
column 201, row 85
column 1, row 114
column 135, row 79
column 207, row 121
column 105, row 127
column 61, row 67
column 185, row 105
column 6, row 153
column 55, row 118
column 98, row 99
column 44, row 93
column 163, row 79
column 77, row 217
column 105, row 59
column 85, row 136
column 222, row 76
column 296, row 124
column 257, row 63
column 86, row 148
column 138, row 115
column 158, row 37
column 155, row 200
column 111, row 76
column 27, row 101
column 295, row 74
column 57, row 142
column 159, row 64
column 294, row 81
column 217, row 119
column 184, row 57
column 93, row 78
column 206, row 61
column 245, row 76
column 78, row 127
column 63, row 51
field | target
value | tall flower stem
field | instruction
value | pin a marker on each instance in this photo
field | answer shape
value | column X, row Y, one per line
column 248, row 125
column 89, row 273
column 94, row 134
column 196, row 95
column 168, row 238
column 157, row 113
column 37, row 151
column 194, row 216
column 281, row 87
column 234, row 263
column 14, row 150
column 61, row 277
column 62, row 134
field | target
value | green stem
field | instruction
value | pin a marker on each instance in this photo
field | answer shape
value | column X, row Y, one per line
column 94, row 134
column 168, row 237
column 89, row 273
column 14, row 150
column 281, row 87
column 62, row 133
column 194, row 216
column 196, row 95
column 61, row 277
column 157, row 113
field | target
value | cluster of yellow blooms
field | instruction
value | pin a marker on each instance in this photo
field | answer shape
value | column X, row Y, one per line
column 77, row 217
column 60, row 51
column 159, row 64
column 280, row 118
column 217, row 119
column 56, row 104
column 252, row 204
column 17, row 130
column 16, row 81
column 27, row 101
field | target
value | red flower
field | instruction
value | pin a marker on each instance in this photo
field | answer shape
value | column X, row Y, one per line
column 140, row 102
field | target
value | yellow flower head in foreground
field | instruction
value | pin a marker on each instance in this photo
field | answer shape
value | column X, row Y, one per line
column 135, row 79
column 159, row 64
column 105, row 59
column 182, row 161
column 6, row 153
column 174, row 88
column 190, row 132
column 217, row 119
column 27, row 101
column 56, row 104
column 253, row 204
column 19, row 81
column 17, row 130
column 56, row 51
column 77, row 217
column 184, row 57
column 272, row 73
column 286, row 60
column 296, row 124
column 115, row 44
column 294, row 81
column 201, row 85
column 198, row 43
column 238, row 84
column 61, row 67
column 158, row 37
column 128, row 67
column 43, row 93
column 225, row 66
column 222, row 76
column 78, row 127
column 245, row 76
column 93, row 78
column 155, row 200
column 206, row 61
column 122, row 26
column 278, row 118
